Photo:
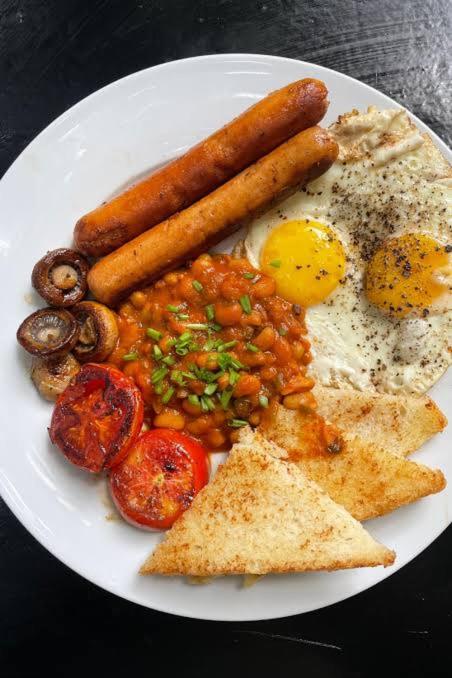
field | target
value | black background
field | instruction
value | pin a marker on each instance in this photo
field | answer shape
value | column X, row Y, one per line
column 52, row 622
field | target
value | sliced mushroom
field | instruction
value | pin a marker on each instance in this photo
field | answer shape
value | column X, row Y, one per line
column 48, row 332
column 98, row 331
column 61, row 277
column 51, row 376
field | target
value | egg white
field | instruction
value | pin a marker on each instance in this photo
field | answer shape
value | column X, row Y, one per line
column 389, row 180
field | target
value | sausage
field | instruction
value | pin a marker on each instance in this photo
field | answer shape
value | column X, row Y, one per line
column 203, row 168
column 192, row 231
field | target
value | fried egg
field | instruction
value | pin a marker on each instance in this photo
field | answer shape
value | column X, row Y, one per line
column 366, row 250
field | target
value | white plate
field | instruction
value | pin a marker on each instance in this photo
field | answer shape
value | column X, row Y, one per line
column 83, row 157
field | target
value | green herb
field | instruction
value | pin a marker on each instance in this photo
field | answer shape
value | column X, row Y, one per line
column 177, row 377
column 263, row 401
column 182, row 316
column 251, row 347
column 236, row 364
column 233, row 377
column 168, row 395
column 224, row 398
column 237, row 423
column 128, row 357
column 193, row 400
column 158, row 388
column 227, row 346
column 276, row 263
column 172, row 308
column 169, row 360
column 248, row 276
column 245, row 303
column 153, row 334
column 197, row 286
column 209, row 404
column 210, row 389
column 215, row 327
column 282, row 331
column 157, row 351
column 184, row 337
column 210, row 312
column 181, row 350
column 159, row 374
column 209, row 345
column 188, row 375
column 197, row 326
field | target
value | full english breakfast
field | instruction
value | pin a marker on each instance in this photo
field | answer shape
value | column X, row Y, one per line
column 305, row 354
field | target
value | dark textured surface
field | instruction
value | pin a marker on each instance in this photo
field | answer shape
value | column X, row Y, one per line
column 52, row 622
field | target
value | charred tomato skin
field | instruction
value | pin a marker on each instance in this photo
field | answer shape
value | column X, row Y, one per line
column 159, row 478
column 97, row 418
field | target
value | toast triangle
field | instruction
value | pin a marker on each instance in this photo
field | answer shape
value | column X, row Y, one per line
column 261, row 515
column 365, row 479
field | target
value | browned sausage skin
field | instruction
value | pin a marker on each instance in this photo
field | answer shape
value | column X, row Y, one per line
column 192, row 231
column 203, row 168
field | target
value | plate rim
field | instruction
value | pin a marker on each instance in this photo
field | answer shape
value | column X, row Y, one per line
column 23, row 518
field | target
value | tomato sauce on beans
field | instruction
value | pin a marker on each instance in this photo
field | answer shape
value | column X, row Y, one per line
column 212, row 348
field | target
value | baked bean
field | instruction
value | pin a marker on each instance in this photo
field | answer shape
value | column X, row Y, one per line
column 268, row 373
column 216, row 438
column 138, row 299
column 194, row 410
column 228, row 314
column 282, row 350
column 246, row 385
column 254, row 318
column 298, row 350
column 171, row 278
column 233, row 287
column 298, row 384
column 265, row 287
column 200, row 425
column 170, row 419
column 265, row 339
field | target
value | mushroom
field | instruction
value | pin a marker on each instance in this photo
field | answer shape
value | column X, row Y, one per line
column 52, row 375
column 48, row 332
column 61, row 277
column 98, row 331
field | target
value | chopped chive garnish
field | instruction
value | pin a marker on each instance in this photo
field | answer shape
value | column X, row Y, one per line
column 210, row 312
column 208, row 402
column 185, row 336
column 251, row 347
column 236, row 364
column 188, row 375
column 159, row 374
column 197, row 326
column 182, row 316
column 169, row 360
column 225, row 397
column 283, row 331
column 171, row 342
column 158, row 388
column 263, row 401
column 245, row 303
column 181, row 350
column 168, row 395
column 153, row 334
column 209, row 345
column 193, row 399
column 233, row 377
column 248, row 276
column 128, row 357
column 276, row 263
column 197, row 286
column 203, row 403
column 177, row 377
column 237, row 423
column 172, row 308
column 215, row 327
column 157, row 351
column 210, row 389
column 225, row 347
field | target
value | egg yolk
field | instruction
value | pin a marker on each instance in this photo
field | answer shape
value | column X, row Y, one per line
column 305, row 259
column 406, row 275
